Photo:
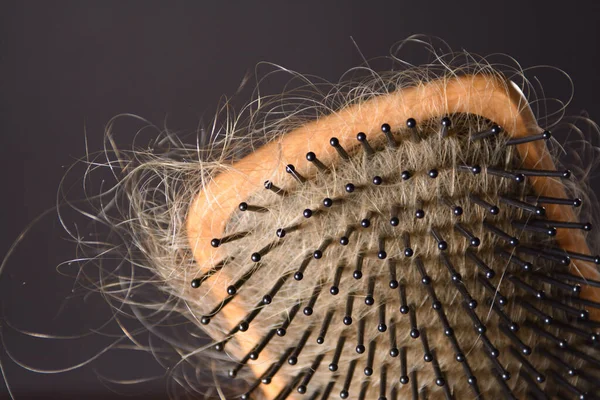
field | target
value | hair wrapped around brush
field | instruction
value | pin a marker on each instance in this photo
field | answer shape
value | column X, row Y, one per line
column 405, row 233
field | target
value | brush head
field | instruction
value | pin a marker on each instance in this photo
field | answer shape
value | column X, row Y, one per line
column 429, row 221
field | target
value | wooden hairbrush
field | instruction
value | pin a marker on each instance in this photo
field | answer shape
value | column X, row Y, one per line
column 492, row 260
column 472, row 268
column 408, row 234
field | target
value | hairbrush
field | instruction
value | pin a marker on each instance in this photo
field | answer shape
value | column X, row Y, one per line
column 421, row 241
column 410, row 234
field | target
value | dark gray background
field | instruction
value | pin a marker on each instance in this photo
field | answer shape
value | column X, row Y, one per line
column 66, row 65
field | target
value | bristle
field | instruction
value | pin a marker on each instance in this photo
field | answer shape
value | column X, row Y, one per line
column 393, row 284
column 290, row 169
column 427, row 356
column 515, row 339
column 293, row 359
column 328, row 389
column 349, row 306
column 335, row 143
column 394, row 352
column 311, row 157
column 441, row 244
column 248, row 207
column 369, row 299
column 387, row 131
column 414, row 331
column 472, row 239
column 370, row 358
column 586, row 226
column 513, row 326
column 576, row 202
column 492, row 209
column 362, row 138
column 414, row 385
column 344, row 240
column 544, row 173
column 527, row 139
column 383, row 382
column 335, row 286
column 536, row 210
column 493, row 291
column 408, row 251
column 274, row 368
column 322, row 247
column 325, row 326
column 364, row 386
column 282, row 330
column 216, row 242
column 196, row 282
column 494, row 130
column 344, row 394
column 308, row 309
column 299, row 274
column 285, row 392
column 274, row 188
column 333, row 365
column 309, row 374
column 487, row 271
column 403, row 304
column 514, row 176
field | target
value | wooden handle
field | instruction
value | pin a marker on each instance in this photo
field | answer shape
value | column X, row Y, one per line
column 488, row 96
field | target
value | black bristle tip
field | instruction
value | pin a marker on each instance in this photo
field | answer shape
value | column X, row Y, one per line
column 433, row 173
column 335, row 143
column 362, row 138
column 350, row 187
column 411, row 123
column 405, row 175
column 196, row 283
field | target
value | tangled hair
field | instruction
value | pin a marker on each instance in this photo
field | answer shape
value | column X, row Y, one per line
column 136, row 198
